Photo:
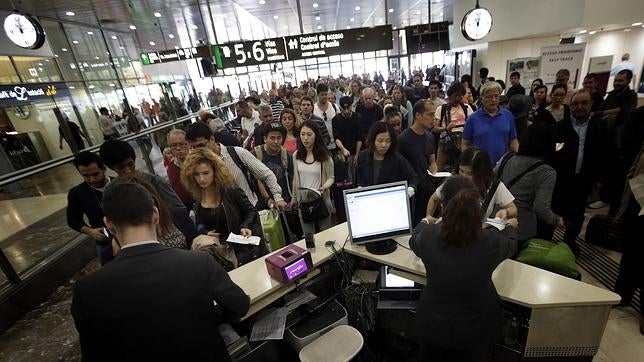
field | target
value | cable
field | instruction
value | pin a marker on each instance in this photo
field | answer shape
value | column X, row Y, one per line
column 402, row 246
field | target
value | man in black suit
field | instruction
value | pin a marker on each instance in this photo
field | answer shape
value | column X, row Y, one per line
column 579, row 160
column 152, row 302
column 84, row 199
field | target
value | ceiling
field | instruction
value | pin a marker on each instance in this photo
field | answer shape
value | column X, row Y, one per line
column 184, row 23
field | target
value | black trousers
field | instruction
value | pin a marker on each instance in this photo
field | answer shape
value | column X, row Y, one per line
column 631, row 267
column 573, row 212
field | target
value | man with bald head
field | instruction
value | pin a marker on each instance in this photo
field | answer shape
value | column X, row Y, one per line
column 578, row 163
column 369, row 110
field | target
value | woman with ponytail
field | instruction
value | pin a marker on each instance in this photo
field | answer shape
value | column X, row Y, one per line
column 459, row 312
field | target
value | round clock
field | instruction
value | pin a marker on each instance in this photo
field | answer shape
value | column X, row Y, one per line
column 476, row 23
column 24, row 31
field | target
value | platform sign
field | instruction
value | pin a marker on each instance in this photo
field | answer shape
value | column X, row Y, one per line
column 243, row 53
column 305, row 46
column 173, row 55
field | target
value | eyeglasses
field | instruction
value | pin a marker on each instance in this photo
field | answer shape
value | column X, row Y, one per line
column 492, row 96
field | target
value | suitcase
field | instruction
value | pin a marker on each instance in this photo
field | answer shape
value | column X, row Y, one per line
column 272, row 229
column 292, row 225
column 603, row 231
column 338, row 199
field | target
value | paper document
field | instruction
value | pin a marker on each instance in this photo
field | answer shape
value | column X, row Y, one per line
column 496, row 222
column 298, row 298
column 228, row 334
column 238, row 239
column 439, row 174
column 637, row 186
column 270, row 324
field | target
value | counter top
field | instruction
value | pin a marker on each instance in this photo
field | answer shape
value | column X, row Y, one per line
column 515, row 282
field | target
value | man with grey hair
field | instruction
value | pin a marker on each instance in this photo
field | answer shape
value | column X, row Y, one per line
column 491, row 127
column 369, row 110
column 179, row 148
column 266, row 116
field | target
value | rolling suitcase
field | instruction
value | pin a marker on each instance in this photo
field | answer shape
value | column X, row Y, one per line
column 603, row 231
column 272, row 228
column 338, row 199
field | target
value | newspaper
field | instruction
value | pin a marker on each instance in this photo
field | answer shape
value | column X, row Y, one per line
column 270, row 324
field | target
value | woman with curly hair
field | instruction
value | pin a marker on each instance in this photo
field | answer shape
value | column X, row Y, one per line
column 221, row 207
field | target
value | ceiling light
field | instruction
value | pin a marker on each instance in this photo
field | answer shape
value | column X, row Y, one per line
column 71, row 87
column 64, row 49
column 70, row 13
column 315, row 5
column 121, row 47
column 637, row 24
column 262, row 2
column 153, row 43
column 583, row 31
column 357, row 8
column 593, row 32
column 194, row 27
column 317, row 18
column 319, row 27
column 176, row 47
column 56, row 55
column 627, row 30
column 40, row 64
column 97, row 58
column 275, row 17
column 394, row 28
column 348, row 26
column 75, row 41
column 157, row 15
column 132, row 27
column 391, row 10
column 112, row 85
column 114, row 37
column 352, row 19
column 91, row 86
column 90, row 33
column 107, row 53
column 171, row 36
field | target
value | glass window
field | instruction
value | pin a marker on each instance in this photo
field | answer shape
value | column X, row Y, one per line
column 334, row 58
column 335, row 69
column 91, row 52
column 347, row 68
column 356, row 56
column 370, row 55
column 60, row 46
column 37, row 69
column 7, row 71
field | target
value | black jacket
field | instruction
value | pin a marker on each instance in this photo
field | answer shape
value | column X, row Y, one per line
column 514, row 90
column 459, row 307
column 153, row 303
column 564, row 160
column 394, row 168
column 83, row 199
column 240, row 213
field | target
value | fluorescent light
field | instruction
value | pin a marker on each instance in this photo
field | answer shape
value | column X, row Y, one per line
column 71, row 87
column 157, row 15
column 391, row 10
column 394, row 28
column 348, row 26
column 583, row 31
column 97, row 58
column 319, row 27
column 91, row 86
column 70, row 13
column 112, row 85
column 194, row 27
column 64, row 49
column 262, row 2
column 315, row 5
column 637, row 24
column 317, row 18
column 275, row 17
column 40, row 64
column 90, row 33
column 593, row 32
column 75, row 41
column 352, row 19
column 114, row 37
column 153, row 43
column 171, row 36
column 357, row 8
column 176, row 47
column 132, row 27
column 121, row 47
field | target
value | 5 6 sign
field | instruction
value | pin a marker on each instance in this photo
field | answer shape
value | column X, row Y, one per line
column 249, row 53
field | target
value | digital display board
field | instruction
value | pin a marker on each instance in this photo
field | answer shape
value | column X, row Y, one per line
column 173, row 55
column 324, row 44
column 424, row 38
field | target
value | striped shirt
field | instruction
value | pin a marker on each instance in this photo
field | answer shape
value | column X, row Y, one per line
column 256, row 168
column 276, row 109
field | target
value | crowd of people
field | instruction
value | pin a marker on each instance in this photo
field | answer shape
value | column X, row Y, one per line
column 534, row 161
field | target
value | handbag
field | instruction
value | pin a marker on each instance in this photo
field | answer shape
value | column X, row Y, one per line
column 314, row 209
column 450, row 145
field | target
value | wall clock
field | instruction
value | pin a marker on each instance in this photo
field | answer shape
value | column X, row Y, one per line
column 24, row 31
column 476, row 23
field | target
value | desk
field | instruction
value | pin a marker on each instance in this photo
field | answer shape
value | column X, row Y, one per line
column 568, row 317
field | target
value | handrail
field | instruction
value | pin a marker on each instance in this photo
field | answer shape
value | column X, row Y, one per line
column 51, row 164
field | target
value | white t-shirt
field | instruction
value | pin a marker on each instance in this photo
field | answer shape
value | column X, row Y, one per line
column 310, row 174
column 249, row 124
column 330, row 113
column 501, row 197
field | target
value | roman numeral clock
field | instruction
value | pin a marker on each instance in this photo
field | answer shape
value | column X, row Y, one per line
column 24, row 31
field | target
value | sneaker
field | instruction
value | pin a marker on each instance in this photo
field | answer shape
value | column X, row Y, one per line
column 597, row 205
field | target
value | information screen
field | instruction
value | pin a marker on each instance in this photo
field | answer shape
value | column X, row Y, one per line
column 293, row 271
column 173, row 55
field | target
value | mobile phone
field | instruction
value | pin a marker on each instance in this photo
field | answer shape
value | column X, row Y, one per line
column 107, row 233
column 310, row 240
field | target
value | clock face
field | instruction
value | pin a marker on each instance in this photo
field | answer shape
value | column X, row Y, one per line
column 476, row 24
column 24, row 31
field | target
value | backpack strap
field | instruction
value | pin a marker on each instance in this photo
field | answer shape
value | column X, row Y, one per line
column 284, row 158
column 259, row 153
column 504, row 161
column 490, row 194
column 519, row 176
column 240, row 164
column 444, row 114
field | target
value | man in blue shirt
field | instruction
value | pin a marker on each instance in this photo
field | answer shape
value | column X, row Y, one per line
column 491, row 128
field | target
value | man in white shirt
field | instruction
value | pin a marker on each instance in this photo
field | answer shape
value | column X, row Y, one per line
column 326, row 111
column 107, row 124
column 249, row 118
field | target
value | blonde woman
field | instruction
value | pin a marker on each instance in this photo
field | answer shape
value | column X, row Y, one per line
column 221, row 207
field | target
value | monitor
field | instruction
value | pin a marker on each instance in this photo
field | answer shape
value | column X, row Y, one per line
column 376, row 214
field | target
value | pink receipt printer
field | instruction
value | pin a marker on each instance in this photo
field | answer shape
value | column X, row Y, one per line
column 289, row 264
